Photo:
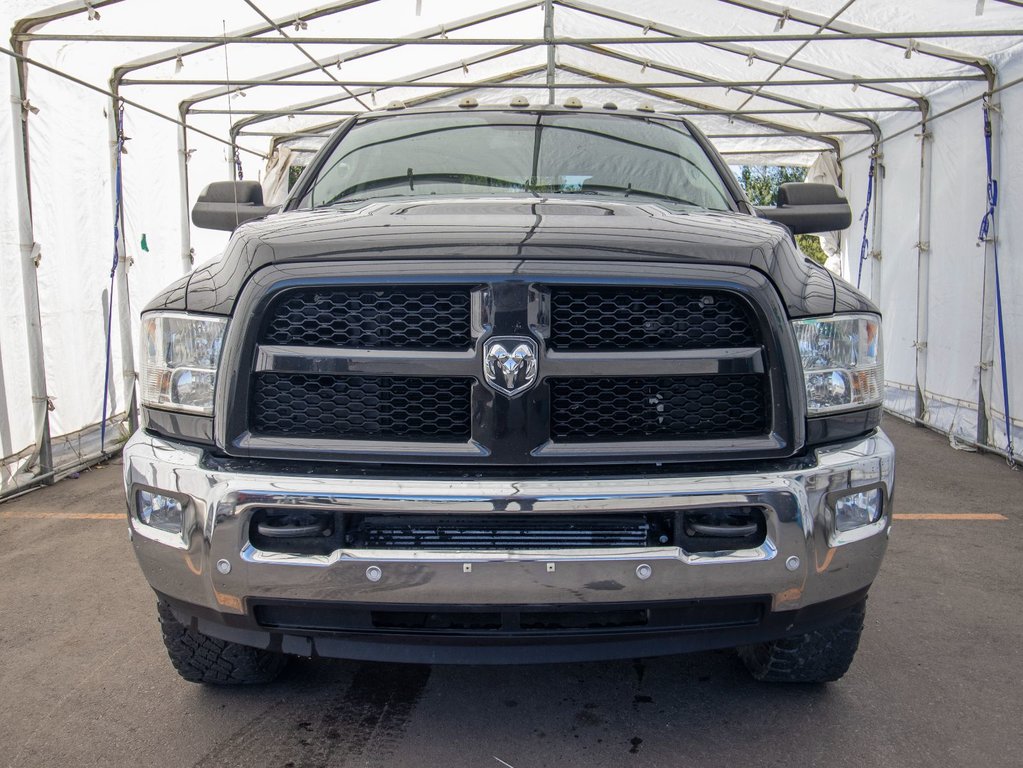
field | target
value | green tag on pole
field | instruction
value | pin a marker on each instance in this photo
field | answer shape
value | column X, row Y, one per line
column 145, row 245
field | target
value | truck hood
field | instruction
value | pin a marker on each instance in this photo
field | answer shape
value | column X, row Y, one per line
column 509, row 227
column 478, row 228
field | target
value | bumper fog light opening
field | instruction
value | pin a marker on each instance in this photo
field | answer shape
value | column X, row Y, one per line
column 159, row 511
column 857, row 509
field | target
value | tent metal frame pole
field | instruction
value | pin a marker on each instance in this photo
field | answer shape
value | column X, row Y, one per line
column 29, row 269
column 766, row 152
column 548, row 36
column 875, row 254
column 724, row 112
column 272, row 113
column 796, row 64
column 894, row 39
column 988, row 321
column 121, row 277
column 923, row 248
column 184, row 154
column 681, row 84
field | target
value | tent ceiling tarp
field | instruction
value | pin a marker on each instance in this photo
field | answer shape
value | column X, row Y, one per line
column 206, row 92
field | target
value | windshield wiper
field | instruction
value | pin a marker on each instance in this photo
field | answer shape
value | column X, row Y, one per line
column 629, row 190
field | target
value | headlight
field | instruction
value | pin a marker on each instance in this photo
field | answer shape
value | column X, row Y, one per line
column 842, row 362
column 180, row 353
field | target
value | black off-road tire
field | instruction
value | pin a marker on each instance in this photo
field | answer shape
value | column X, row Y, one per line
column 821, row 656
column 199, row 658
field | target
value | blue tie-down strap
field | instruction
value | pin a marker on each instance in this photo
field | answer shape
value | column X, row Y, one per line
column 985, row 230
column 113, row 271
column 865, row 216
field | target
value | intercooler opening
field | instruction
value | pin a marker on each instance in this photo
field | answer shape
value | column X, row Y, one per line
column 320, row 532
column 507, row 532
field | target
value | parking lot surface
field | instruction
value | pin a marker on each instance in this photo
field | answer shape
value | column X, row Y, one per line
column 84, row 680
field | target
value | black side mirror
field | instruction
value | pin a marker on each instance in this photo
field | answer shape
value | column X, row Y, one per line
column 810, row 208
column 226, row 205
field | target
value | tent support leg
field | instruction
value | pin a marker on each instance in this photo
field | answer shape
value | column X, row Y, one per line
column 988, row 329
column 923, row 270
column 876, row 233
column 186, row 233
column 121, row 278
column 29, row 266
column 548, row 36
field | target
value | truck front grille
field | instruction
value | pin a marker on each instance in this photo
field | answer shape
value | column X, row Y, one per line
column 680, row 369
column 371, row 317
column 380, row 407
column 586, row 318
column 662, row 408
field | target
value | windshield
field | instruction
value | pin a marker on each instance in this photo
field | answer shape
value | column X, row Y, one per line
column 501, row 153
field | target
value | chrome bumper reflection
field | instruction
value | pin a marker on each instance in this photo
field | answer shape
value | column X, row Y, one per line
column 804, row 559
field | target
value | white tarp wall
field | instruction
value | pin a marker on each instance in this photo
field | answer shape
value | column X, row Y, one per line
column 935, row 302
column 940, row 331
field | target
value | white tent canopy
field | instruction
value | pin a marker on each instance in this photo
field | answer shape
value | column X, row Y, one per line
column 122, row 110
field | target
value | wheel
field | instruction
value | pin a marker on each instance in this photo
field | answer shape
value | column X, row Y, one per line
column 821, row 656
column 199, row 658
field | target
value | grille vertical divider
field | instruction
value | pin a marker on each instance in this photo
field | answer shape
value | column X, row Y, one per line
column 510, row 427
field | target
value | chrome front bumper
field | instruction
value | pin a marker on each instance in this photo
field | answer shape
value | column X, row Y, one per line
column 804, row 561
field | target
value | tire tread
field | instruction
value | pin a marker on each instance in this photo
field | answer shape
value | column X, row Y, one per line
column 199, row 658
column 821, row 656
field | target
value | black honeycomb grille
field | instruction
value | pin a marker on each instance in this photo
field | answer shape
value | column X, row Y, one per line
column 649, row 318
column 361, row 407
column 373, row 317
column 660, row 408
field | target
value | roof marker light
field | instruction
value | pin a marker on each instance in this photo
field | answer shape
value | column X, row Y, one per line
column 468, row 103
column 646, row 106
column 519, row 101
column 573, row 103
column 395, row 105
column 610, row 105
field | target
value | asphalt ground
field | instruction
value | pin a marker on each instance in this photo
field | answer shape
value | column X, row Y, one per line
column 938, row 680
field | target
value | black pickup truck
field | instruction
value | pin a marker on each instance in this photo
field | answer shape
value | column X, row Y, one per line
column 511, row 384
